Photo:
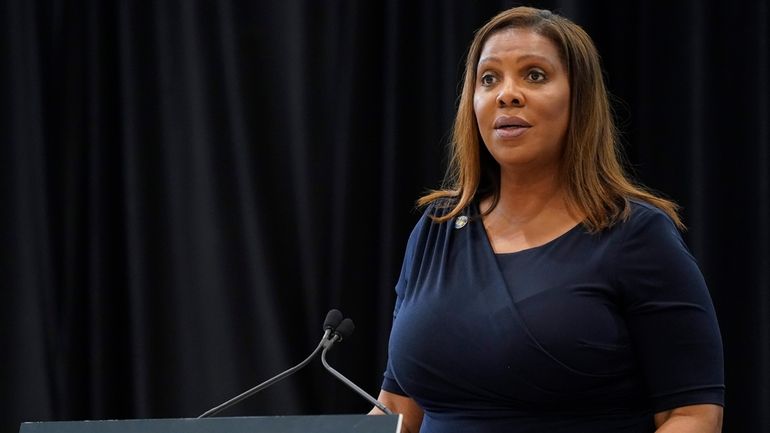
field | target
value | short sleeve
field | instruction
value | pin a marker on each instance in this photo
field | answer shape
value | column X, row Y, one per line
column 670, row 315
column 390, row 383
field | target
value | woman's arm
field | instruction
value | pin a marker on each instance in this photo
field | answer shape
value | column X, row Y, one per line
column 698, row 418
column 407, row 407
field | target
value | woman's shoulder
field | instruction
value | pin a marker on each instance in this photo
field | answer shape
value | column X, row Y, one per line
column 642, row 213
column 648, row 225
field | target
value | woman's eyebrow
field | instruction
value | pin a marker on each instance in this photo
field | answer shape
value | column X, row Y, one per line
column 495, row 59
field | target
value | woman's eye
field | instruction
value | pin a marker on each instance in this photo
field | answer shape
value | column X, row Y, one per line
column 487, row 79
column 536, row 75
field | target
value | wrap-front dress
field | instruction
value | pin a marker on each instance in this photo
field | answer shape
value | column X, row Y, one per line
column 587, row 333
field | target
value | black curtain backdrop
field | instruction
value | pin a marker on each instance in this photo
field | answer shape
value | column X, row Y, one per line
column 188, row 186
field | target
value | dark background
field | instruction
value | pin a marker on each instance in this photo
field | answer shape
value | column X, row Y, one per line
column 186, row 187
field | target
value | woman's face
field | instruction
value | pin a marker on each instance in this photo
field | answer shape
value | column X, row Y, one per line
column 521, row 99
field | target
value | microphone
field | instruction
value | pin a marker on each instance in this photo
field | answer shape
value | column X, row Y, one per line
column 333, row 320
column 343, row 331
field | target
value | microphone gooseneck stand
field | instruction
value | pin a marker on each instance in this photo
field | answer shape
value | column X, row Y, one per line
column 335, row 330
column 333, row 319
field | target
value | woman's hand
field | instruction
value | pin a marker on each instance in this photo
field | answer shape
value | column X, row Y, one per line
column 407, row 407
column 698, row 418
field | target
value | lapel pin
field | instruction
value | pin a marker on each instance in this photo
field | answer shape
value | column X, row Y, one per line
column 461, row 221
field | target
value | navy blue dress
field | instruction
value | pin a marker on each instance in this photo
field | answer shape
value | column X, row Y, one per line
column 587, row 333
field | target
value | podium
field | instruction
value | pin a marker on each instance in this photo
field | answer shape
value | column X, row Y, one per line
column 262, row 424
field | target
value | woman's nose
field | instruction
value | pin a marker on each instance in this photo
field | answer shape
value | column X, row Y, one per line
column 510, row 95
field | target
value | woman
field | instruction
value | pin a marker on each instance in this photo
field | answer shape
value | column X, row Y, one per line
column 542, row 291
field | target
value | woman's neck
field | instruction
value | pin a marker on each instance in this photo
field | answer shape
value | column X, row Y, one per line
column 531, row 212
column 524, row 198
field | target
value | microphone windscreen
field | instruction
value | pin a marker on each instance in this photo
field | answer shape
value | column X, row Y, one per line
column 345, row 329
column 333, row 319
